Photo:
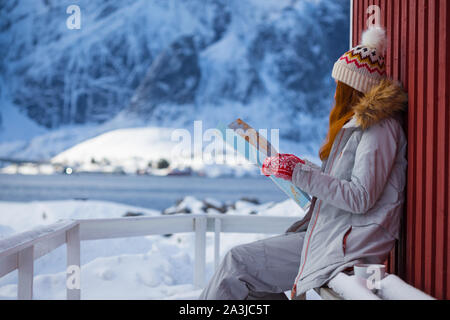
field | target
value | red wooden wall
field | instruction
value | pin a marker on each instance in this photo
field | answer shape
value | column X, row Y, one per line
column 419, row 56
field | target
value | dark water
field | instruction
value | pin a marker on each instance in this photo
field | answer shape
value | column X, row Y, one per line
column 142, row 191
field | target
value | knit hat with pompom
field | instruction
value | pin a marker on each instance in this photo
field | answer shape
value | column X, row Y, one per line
column 363, row 67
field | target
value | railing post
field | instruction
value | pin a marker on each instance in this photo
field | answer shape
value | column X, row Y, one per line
column 25, row 266
column 73, row 263
column 200, row 251
column 217, row 230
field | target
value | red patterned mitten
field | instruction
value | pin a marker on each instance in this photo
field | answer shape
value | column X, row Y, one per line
column 281, row 166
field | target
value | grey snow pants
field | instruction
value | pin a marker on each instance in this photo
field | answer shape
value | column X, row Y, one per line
column 260, row 270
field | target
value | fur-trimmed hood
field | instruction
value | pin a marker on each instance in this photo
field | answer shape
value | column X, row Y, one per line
column 386, row 100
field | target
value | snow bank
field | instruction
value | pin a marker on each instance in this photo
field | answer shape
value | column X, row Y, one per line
column 394, row 288
column 391, row 288
column 350, row 288
column 121, row 144
column 135, row 150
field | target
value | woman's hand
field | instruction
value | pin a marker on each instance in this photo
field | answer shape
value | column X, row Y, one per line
column 281, row 166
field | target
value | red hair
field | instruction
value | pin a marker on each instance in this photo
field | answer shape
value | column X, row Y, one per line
column 346, row 98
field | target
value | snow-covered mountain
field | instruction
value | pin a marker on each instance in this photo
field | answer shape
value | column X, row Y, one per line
column 168, row 62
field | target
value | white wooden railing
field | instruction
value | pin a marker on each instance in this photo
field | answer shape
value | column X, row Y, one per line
column 20, row 251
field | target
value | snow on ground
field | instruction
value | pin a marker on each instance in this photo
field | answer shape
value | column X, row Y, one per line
column 152, row 267
column 21, row 216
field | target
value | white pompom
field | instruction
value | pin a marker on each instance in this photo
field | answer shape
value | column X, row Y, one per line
column 375, row 37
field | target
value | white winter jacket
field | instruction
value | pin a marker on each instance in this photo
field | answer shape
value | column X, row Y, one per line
column 359, row 191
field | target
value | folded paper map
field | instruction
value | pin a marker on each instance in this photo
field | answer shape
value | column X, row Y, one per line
column 255, row 148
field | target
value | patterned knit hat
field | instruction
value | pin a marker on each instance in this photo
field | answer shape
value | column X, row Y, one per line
column 363, row 67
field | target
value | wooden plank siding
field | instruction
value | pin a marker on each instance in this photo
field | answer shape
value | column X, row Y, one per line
column 418, row 55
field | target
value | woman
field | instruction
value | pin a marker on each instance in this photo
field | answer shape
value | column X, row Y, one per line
column 358, row 192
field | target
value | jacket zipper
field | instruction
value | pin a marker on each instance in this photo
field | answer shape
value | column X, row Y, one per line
column 294, row 289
